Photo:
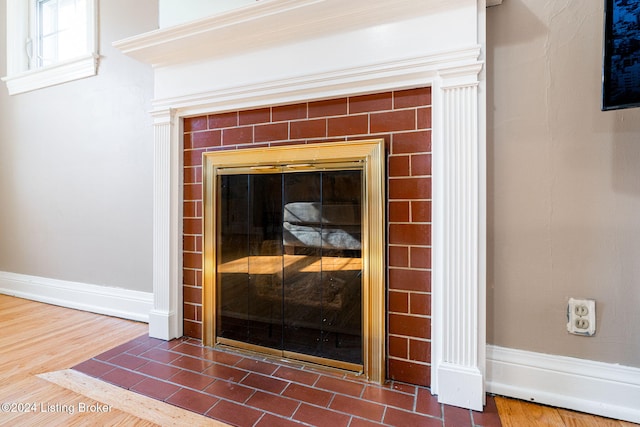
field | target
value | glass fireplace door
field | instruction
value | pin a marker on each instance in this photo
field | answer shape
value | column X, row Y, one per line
column 289, row 257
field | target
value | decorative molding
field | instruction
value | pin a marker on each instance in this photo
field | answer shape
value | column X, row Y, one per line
column 458, row 281
column 165, row 319
column 85, row 66
column 494, row 3
column 605, row 389
column 124, row 303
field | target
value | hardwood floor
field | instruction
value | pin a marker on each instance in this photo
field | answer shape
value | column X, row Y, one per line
column 40, row 342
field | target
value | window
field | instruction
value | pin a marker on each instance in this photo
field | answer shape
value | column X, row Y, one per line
column 49, row 42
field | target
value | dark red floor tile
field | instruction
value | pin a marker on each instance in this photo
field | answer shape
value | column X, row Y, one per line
column 225, row 372
column 389, row 397
column 223, row 357
column 122, row 378
column 269, row 420
column 154, row 388
column 235, row 414
column 192, row 400
column 159, row 355
column 489, row 417
column 296, row 375
column 158, row 370
column 230, row 390
column 191, row 350
column 127, row 361
column 94, row 368
column 456, row 417
column 262, row 382
column 358, row 422
column 308, row 394
column 340, row 386
column 256, row 366
column 398, row 418
column 191, row 363
column 191, row 380
column 426, row 403
column 403, row 387
column 358, row 407
column 272, row 403
column 320, row 417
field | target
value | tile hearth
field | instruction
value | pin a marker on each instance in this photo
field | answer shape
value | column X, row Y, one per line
column 247, row 390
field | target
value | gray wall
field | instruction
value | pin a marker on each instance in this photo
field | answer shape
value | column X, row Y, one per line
column 564, row 185
column 76, row 166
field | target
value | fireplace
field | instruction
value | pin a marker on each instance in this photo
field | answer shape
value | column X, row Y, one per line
column 294, row 253
column 285, row 53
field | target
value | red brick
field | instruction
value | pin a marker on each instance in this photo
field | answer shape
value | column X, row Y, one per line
column 424, row 118
column 412, row 373
column 193, row 157
column 410, row 280
column 332, row 107
column 235, row 136
column 393, row 121
column 410, row 188
column 398, row 166
column 399, row 211
column 420, row 351
column 358, row 407
column 412, row 98
column 399, row 302
column 192, row 329
column 289, row 112
column 421, row 164
column 420, row 304
column 420, row 257
column 192, row 226
column 223, row 120
column 420, row 211
column 192, row 175
column 189, row 243
column 192, row 294
column 189, row 311
column 186, row 141
column 271, row 132
column 309, row 129
column 367, row 103
column 351, row 125
column 399, row 256
column 189, row 209
column 410, row 234
column 411, row 142
column 398, row 347
column 192, row 260
column 192, row 192
column 188, row 277
column 406, row 325
column 192, row 124
column 210, row 138
column 250, row 117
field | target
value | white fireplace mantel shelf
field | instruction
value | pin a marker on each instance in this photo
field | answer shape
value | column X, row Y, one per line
column 277, row 52
column 267, row 23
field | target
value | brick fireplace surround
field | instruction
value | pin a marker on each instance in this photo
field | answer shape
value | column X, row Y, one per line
column 403, row 119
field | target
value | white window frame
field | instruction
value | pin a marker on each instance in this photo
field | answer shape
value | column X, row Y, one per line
column 19, row 77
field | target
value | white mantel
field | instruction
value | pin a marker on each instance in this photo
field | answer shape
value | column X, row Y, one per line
column 283, row 51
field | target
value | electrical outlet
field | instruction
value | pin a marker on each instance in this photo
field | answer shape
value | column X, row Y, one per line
column 581, row 317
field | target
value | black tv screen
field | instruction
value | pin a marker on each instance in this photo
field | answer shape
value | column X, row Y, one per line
column 621, row 68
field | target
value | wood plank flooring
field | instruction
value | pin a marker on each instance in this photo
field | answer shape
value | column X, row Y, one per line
column 39, row 342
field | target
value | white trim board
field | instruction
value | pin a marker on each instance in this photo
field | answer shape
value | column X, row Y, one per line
column 123, row 303
column 598, row 388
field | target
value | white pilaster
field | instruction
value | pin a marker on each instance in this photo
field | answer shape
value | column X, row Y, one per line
column 165, row 319
column 458, row 241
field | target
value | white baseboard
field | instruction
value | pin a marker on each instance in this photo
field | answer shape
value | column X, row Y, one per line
column 597, row 388
column 123, row 303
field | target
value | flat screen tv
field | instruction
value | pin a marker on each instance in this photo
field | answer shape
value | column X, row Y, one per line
column 621, row 65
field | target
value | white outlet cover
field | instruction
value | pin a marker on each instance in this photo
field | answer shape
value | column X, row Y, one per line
column 574, row 319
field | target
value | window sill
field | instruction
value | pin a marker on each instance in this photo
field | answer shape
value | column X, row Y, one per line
column 75, row 69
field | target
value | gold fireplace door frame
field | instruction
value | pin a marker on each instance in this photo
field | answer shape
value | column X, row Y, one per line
column 371, row 155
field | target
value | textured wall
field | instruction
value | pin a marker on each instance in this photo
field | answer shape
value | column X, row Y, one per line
column 76, row 166
column 564, row 185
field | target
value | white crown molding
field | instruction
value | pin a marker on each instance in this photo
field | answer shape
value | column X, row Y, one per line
column 124, row 303
column 605, row 389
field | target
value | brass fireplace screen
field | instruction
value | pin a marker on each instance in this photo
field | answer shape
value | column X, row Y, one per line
column 294, row 253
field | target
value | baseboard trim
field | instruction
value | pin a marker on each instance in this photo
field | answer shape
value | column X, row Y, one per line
column 598, row 388
column 117, row 302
